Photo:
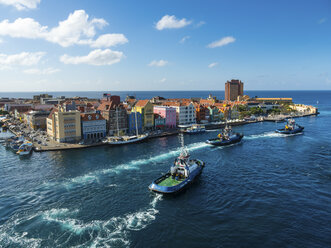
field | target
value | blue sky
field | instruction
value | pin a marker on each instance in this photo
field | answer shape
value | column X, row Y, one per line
column 164, row 45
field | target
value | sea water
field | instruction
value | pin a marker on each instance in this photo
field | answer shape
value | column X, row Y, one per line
column 268, row 191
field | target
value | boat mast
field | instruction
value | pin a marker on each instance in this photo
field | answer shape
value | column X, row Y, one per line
column 118, row 130
column 135, row 112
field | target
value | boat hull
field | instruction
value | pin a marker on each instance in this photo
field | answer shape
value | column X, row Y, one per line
column 126, row 142
column 195, row 131
column 218, row 142
column 294, row 131
column 154, row 186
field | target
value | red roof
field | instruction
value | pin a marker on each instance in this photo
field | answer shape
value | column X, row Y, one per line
column 91, row 117
column 141, row 103
column 52, row 112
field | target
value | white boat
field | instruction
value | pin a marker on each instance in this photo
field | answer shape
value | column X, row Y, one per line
column 195, row 128
column 123, row 140
column 25, row 149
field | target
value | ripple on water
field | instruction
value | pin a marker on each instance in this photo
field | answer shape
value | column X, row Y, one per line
column 114, row 231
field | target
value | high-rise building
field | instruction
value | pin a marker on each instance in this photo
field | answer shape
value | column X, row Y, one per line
column 233, row 89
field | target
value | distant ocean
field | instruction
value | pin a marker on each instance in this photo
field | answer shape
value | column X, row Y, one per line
column 296, row 95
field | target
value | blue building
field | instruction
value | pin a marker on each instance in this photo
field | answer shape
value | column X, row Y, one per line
column 132, row 122
column 93, row 126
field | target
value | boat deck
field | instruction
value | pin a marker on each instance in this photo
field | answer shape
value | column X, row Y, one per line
column 168, row 182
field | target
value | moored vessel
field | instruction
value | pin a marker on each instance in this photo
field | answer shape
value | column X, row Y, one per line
column 123, row 140
column 182, row 173
column 25, row 149
column 195, row 128
column 290, row 128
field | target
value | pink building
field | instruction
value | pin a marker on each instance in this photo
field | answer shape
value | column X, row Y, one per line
column 168, row 113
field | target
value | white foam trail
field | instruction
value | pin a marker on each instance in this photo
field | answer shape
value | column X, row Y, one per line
column 10, row 238
column 133, row 165
column 114, row 231
column 264, row 135
column 270, row 135
column 213, row 130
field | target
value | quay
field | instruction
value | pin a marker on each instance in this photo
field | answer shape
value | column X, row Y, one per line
column 56, row 146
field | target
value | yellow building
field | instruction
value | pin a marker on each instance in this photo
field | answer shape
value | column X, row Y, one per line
column 64, row 126
column 146, row 108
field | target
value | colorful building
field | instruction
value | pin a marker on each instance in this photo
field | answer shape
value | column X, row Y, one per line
column 159, row 121
column 202, row 113
column 64, row 126
column 185, row 112
column 168, row 113
column 132, row 122
column 214, row 114
column 93, row 126
column 115, row 114
column 145, row 107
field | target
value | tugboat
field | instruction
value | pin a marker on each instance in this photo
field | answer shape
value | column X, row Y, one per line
column 290, row 128
column 182, row 173
column 195, row 128
column 227, row 137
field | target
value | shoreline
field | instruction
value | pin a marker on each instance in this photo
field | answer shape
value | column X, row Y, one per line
column 66, row 146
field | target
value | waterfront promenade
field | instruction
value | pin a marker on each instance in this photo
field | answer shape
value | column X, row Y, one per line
column 51, row 145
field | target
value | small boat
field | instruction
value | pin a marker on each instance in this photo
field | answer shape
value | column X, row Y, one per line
column 182, row 173
column 195, row 128
column 227, row 137
column 25, row 149
column 290, row 128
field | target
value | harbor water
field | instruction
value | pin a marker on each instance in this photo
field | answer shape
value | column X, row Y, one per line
column 270, row 190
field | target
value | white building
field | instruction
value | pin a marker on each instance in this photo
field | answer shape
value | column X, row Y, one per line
column 185, row 112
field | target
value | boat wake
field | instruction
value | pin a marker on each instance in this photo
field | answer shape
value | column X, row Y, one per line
column 112, row 232
column 269, row 135
column 132, row 165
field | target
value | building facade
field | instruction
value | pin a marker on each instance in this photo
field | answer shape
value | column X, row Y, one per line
column 233, row 89
column 115, row 115
column 168, row 113
column 64, row 126
column 146, row 108
column 37, row 119
column 185, row 112
column 159, row 121
column 132, row 123
column 93, row 126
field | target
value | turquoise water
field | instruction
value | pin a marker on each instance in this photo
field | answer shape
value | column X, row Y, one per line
column 268, row 191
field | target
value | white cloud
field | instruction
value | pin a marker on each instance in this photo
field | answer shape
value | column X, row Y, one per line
column 222, row 42
column 77, row 29
column 21, row 4
column 185, row 38
column 163, row 80
column 199, row 24
column 171, row 22
column 212, row 65
column 46, row 71
column 23, row 28
column 322, row 20
column 74, row 28
column 23, row 59
column 108, row 40
column 95, row 57
column 158, row 63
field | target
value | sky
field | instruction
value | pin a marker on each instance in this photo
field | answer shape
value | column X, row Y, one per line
column 108, row 45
